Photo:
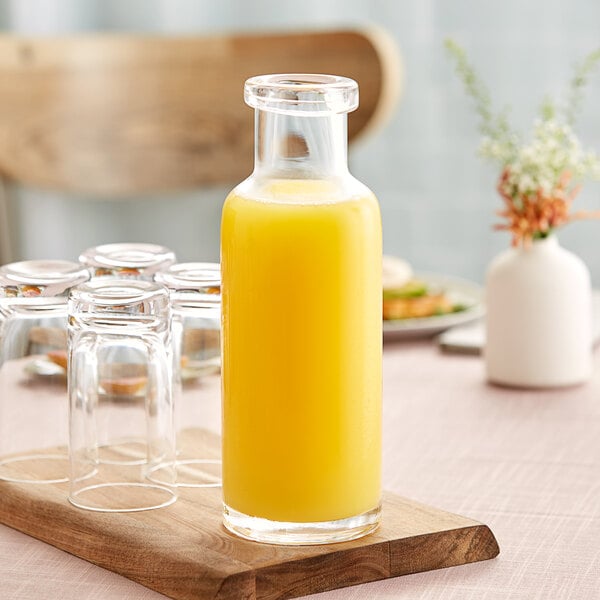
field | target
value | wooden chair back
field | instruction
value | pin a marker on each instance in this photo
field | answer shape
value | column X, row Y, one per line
column 120, row 115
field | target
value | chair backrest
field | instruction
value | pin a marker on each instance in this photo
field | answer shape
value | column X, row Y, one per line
column 119, row 115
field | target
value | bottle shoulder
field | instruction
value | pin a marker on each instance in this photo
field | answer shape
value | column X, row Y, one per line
column 302, row 191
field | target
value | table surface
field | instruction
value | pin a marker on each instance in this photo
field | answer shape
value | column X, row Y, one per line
column 526, row 463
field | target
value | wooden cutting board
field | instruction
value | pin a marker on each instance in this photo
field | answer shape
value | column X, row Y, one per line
column 183, row 550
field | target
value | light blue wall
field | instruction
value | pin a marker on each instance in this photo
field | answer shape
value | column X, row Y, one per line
column 437, row 198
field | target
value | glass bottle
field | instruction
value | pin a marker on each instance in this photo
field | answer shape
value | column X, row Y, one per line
column 301, row 324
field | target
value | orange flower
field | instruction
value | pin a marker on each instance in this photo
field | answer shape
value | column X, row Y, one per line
column 537, row 214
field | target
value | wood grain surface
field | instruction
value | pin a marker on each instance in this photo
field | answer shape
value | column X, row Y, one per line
column 115, row 115
column 184, row 552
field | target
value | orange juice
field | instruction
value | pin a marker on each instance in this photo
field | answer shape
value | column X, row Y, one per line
column 301, row 352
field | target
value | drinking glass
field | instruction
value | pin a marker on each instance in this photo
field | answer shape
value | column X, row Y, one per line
column 195, row 291
column 33, row 369
column 121, row 408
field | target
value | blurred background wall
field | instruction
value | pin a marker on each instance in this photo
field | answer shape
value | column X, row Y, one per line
column 437, row 197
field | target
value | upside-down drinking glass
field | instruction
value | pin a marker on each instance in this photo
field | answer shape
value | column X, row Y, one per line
column 195, row 290
column 33, row 369
column 121, row 408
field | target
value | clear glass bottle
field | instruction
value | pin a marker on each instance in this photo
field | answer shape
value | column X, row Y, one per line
column 301, row 317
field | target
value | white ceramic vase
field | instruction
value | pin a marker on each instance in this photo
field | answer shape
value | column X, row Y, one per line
column 538, row 317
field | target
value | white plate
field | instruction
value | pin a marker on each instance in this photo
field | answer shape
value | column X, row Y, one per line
column 459, row 291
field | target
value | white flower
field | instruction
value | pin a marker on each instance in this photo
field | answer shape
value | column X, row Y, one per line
column 546, row 186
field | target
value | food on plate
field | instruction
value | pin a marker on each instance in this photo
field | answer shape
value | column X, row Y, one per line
column 407, row 297
column 58, row 357
column 415, row 300
column 396, row 272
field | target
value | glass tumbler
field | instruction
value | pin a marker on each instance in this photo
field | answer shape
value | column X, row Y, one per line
column 33, row 369
column 121, row 408
column 127, row 260
column 195, row 290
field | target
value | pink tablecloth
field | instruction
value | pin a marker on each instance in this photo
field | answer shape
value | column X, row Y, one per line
column 527, row 463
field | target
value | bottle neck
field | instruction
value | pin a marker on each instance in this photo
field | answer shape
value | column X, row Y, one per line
column 290, row 146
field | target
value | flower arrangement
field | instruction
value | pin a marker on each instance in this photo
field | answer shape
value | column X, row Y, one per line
column 540, row 177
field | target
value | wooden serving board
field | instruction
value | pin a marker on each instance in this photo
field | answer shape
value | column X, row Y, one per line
column 184, row 552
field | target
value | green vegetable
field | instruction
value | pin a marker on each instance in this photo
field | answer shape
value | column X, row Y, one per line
column 412, row 289
column 459, row 308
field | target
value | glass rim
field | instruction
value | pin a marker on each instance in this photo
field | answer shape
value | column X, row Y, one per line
column 41, row 278
column 128, row 255
column 118, row 293
column 193, row 301
column 304, row 94
column 198, row 277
